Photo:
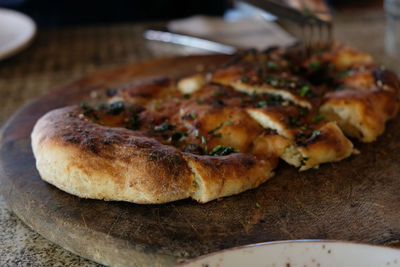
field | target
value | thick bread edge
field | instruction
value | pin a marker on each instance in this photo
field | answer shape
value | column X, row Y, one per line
column 146, row 172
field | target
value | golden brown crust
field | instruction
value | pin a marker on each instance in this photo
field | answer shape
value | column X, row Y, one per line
column 93, row 161
column 360, row 114
column 111, row 158
column 225, row 176
column 329, row 145
column 205, row 138
column 243, row 77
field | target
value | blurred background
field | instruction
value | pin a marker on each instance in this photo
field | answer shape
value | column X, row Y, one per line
column 48, row 13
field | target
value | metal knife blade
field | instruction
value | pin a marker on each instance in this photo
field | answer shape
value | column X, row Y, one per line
column 185, row 40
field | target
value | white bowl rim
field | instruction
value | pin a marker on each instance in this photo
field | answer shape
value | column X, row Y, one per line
column 269, row 243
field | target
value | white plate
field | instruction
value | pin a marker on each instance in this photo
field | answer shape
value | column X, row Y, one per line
column 301, row 253
column 16, row 32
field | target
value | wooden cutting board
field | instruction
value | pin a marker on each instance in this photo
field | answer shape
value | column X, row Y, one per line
column 357, row 199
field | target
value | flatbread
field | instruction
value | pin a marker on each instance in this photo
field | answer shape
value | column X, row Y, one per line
column 212, row 135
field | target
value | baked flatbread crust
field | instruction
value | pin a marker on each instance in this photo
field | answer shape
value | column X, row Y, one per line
column 208, row 136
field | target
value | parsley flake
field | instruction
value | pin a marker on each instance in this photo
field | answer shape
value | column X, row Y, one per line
column 318, row 118
column 315, row 65
column 165, row 126
column 293, row 121
column 303, row 161
column 215, row 150
column 116, row 108
column 304, row 90
column 272, row 65
column 85, row 105
column 345, row 73
column 315, row 133
column 215, row 129
column 203, row 140
column 220, row 150
column 245, row 79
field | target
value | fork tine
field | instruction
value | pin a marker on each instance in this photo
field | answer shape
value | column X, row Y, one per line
column 316, row 37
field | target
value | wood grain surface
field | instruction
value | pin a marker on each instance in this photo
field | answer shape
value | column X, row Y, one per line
column 356, row 199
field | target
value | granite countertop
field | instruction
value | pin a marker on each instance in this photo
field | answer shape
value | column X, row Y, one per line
column 59, row 56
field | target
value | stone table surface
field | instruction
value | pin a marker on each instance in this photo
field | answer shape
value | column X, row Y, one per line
column 58, row 56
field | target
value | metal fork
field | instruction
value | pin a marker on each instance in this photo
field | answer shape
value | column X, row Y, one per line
column 316, row 30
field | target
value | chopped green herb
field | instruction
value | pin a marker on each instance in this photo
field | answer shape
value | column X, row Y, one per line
column 261, row 104
column 193, row 148
column 186, row 96
column 304, row 90
column 272, row 65
column 89, row 111
column 303, row 127
column 258, row 205
column 282, row 118
column 220, row 150
column 274, row 100
column 219, row 135
column 116, row 108
column 228, row 122
column 165, row 126
column 134, row 122
column 293, row 121
column 303, row 161
column 215, row 129
column 215, row 150
column 193, row 115
column 345, row 73
column 84, row 105
column 176, row 136
column 315, row 133
column 315, row 65
column 318, row 118
column 203, row 140
column 245, row 79
column 227, row 150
